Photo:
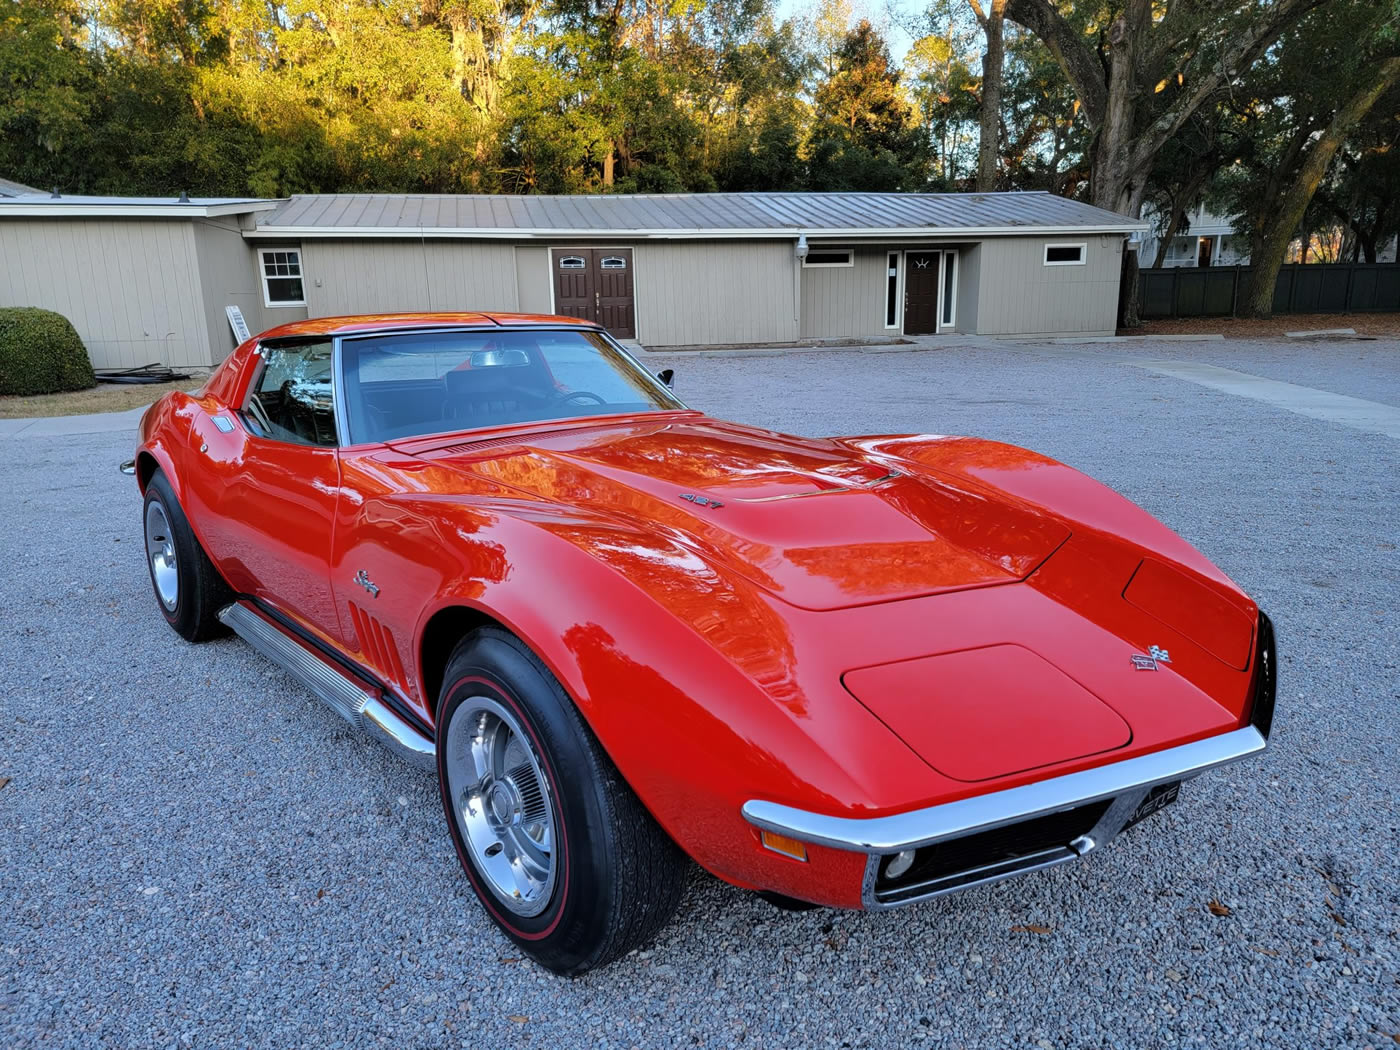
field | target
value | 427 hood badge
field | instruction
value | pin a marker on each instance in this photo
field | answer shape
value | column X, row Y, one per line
column 1156, row 655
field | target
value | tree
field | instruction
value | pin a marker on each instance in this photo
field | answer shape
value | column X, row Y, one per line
column 1141, row 72
column 864, row 136
column 485, row 36
column 758, row 120
column 992, row 20
column 1363, row 190
column 1044, row 141
column 1278, row 228
column 945, row 94
column 46, row 93
column 1185, row 168
column 1293, row 117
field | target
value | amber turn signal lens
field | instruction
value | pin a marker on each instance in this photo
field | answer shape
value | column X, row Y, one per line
column 784, row 845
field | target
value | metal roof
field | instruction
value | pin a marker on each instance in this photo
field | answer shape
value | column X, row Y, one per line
column 695, row 215
column 10, row 188
column 35, row 204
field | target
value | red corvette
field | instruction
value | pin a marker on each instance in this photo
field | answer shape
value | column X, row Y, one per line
column 854, row 672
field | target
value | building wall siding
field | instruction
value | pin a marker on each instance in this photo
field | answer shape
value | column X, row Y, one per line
column 391, row 276
column 229, row 276
column 969, row 288
column 130, row 286
column 714, row 293
column 843, row 302
column 1020, row 295
column 533, row 278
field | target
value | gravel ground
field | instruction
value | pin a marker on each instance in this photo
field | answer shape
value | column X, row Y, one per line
column 1358, row 368
column 196, row 853
column 1378, row 324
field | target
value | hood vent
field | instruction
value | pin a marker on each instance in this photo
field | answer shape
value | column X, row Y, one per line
column 468, row 448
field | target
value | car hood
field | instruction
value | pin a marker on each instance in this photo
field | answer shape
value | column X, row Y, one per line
column 817, row 523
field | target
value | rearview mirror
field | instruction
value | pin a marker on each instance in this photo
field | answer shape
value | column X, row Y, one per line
column 499, row 359
column 666, row 375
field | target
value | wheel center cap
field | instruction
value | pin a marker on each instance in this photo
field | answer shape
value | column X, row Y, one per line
column 501, row 799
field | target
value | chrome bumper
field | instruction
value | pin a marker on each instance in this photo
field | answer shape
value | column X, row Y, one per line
column 1126, row 783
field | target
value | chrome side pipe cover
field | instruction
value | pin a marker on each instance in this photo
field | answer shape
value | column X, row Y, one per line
column 358, row 703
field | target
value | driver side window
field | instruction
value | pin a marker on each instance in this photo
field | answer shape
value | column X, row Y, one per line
column 291, row 398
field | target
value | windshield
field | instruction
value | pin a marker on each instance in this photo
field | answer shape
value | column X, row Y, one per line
column 434, row 382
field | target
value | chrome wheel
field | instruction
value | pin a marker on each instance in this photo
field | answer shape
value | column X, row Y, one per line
column 160, row 549
column 501, row 803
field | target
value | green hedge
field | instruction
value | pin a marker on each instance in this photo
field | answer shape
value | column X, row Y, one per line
column 41, row 353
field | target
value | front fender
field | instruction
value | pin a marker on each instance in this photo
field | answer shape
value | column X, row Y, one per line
column 688, row 676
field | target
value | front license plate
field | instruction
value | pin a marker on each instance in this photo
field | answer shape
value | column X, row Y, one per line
column 1160, row 797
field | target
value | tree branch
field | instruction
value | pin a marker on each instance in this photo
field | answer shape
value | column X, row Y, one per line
column 1239, row 58
column 1071, row 50
column 1290, row 207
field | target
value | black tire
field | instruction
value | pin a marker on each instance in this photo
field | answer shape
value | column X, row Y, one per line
column 617, row 876
column 200, row 592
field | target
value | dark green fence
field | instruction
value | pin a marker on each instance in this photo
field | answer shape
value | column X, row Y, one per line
column 1312, row 288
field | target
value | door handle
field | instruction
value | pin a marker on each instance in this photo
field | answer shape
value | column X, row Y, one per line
column 597, row 300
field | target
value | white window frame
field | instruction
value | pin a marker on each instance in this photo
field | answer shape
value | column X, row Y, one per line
column 950, row 308
column 898, row 275
column 263, row 277
column 1083, row 259
column 849, row 252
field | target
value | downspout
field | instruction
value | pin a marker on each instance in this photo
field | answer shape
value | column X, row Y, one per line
column 799, row 252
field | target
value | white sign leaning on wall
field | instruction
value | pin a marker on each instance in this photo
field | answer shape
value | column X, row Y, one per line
column 236, row 322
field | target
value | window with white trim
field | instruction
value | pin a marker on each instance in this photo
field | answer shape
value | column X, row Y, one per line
column 281, row 277
column 829, row 257
column 950, row 288
column 1065, row 254
column 892, row 290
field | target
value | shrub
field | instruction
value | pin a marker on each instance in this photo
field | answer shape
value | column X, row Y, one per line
column 41, row 353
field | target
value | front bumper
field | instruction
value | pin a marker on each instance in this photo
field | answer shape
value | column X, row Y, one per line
column 1046, row 824
column 1126, row 784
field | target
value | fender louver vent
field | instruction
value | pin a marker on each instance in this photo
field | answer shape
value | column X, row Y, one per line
column 377, row 643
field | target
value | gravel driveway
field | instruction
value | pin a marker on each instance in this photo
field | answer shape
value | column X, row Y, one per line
column 197, row 853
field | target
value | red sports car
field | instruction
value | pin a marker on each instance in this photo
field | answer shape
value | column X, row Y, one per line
column 855, row 672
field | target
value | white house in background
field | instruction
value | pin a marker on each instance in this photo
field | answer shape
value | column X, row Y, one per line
column 1207, row 240
column 1211, row 240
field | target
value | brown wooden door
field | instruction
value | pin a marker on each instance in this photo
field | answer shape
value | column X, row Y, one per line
column 612, row 276
column 921, row 292
column 595, row 284
column 573, row 283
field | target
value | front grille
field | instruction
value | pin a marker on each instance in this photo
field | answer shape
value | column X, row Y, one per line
column 986, row 854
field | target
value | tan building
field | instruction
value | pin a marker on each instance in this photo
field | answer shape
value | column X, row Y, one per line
column 148, row 280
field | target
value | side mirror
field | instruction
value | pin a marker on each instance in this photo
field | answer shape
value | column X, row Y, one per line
column 666, row 375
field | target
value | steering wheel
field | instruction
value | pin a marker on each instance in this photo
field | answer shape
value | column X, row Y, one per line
column 574, row 395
